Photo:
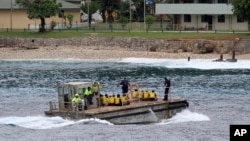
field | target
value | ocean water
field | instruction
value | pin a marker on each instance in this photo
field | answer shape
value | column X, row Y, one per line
column 218, row 95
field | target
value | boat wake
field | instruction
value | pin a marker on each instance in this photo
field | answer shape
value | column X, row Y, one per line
column 185, row 116
column 204, row 64
column 40, row 122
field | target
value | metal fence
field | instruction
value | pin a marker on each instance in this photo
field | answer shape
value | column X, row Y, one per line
column 161, row 26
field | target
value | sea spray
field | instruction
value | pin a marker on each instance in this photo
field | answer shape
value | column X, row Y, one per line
column 185, row 116
column 153, row 115
column 40, row 122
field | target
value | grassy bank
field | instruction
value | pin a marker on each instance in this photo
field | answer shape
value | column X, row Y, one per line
column 126, row 33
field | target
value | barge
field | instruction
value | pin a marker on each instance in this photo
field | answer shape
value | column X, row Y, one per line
column 139, row 111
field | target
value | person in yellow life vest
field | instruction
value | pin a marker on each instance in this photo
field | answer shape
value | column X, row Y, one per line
column 152, row 95
column 96, row 87
column 112, row 100
column 134, row 93
column 141, row 94
column 105, row 100
column 125, row 100
column 88, row 95
column 76, row 102
column 118, row 101
column 146, row 95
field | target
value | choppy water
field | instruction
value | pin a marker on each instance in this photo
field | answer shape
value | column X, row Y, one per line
column 218, row 94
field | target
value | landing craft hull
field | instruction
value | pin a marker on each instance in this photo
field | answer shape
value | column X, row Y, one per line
column 135, row 113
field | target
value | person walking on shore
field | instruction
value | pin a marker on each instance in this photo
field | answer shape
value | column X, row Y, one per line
column 167, row 85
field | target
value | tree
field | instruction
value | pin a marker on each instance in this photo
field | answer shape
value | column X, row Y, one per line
column 123, row 21
column 241, row 8
column 149, row 20
column 40, row 9
column 70, row 18
column 90, row 8
column 109, row 6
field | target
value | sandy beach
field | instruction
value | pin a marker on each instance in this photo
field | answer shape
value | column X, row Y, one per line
column 93, row 52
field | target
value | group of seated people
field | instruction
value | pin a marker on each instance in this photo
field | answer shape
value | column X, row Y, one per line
column 112, row 100
column 144, row 95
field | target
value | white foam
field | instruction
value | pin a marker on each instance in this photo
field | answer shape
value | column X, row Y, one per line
column 194, row 63
column 185, row 116
column 40, row 122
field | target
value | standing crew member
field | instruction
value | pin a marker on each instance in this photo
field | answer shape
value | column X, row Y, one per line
column 125, row 85
column 167, row 87
column 96, row 88
column 88, row 94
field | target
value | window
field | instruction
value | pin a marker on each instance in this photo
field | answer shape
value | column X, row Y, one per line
column 187, row 18
column 240, row 20
column 221, row 18
column 205, row 1
column 222, row 1
column 204, row 18
column 188, row 1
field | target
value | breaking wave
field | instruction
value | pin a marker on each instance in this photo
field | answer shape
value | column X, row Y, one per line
column 40, row 122
column 185, row 116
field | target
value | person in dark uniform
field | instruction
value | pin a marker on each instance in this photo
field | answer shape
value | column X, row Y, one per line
column 167, row 85
column 125, row 85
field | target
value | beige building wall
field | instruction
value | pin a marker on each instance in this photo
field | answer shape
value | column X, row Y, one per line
column 20, row 19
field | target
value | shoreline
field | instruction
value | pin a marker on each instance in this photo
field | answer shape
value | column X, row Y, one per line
column 99, row 53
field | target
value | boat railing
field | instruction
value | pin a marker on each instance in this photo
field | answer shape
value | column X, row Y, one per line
column 56, row 105
column 53, row 105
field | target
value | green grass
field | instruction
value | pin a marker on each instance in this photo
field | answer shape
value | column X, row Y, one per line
column 125, row 33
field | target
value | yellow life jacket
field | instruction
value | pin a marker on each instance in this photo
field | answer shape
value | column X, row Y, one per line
column 105, row 100
column 111, row 100
column 87, row 92
column 134, row 94
column 146, row 95
column 141, row 94
column 117, row 100
column 76, row 100
column 124, row 99
column 96, row 87
column 152, row 95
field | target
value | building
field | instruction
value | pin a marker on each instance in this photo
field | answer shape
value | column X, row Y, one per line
column 201, row 15
column 12, row 16
column 77, row 2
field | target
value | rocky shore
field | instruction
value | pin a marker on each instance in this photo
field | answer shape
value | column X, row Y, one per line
column 108, row 48
column 73, row 52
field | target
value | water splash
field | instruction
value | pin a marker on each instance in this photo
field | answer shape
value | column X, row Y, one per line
column 153, row 114
column 204, row 64
column 185, row 116
column 40, row 122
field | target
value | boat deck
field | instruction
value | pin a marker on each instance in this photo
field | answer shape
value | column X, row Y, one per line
column 93, row 109
column 133, row 104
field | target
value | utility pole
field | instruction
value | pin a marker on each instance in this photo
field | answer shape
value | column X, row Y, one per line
column 130, row 17
column 11, row 10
